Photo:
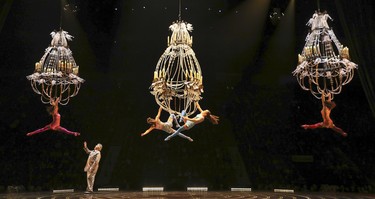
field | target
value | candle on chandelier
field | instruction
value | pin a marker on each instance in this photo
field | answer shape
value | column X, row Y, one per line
column 70, row 67
column 155, row 74
column 37, row 66
column 75, row 70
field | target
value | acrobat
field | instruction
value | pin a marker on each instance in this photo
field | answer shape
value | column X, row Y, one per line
column 327, row 122
column 191, row 122
column 164, row 126
column 55, row 124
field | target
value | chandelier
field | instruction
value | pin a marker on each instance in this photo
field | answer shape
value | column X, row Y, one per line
column 56, row 74
column 177, row 81
column 324, row 65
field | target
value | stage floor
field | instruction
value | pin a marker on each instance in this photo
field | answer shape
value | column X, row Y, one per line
column 188, row 195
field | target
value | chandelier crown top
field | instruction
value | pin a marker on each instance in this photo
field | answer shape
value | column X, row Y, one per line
column 319, row 20
column 60, row 38
column 180, row 33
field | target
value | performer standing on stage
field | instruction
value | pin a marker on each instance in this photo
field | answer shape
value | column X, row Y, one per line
column 191, row 122
column 55, row 124
column 328, row 105
column 92, row 165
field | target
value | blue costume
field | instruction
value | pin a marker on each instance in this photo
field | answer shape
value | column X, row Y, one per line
column 189, row 124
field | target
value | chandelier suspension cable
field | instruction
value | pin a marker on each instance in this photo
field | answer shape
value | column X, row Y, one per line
column 318, row 4
column 61, row 12
column 178, row 80
column 179, row 10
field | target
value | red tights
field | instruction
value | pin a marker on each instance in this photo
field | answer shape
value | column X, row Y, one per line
column 320, row 125
column 58, row 128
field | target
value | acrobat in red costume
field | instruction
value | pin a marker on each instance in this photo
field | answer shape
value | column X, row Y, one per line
column 55, row 124
column 327, row 121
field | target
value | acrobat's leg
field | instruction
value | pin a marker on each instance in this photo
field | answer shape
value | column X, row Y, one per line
column 185, row 137
column 339, row 130
column 64, row 130
column 182, row 128
column 39, row 130
column 175, row 120
column 183, row 113
column 312, row 126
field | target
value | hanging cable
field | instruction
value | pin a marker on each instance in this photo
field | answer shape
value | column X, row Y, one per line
column 179, row 10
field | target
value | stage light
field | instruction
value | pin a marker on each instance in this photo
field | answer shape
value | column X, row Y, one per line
column 197, row 189
column 153, row 189
column 63, row 191
column 240, row 189
column 108, row 189
column 283, row 190
column 276, row 16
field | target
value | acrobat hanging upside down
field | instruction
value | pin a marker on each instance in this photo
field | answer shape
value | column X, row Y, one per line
column 328, row 105
column 55, row 124
column 191, row 122
column 164, row 126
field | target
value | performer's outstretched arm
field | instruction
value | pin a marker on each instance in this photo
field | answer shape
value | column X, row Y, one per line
column 55, row 104
column 148, row 130
column 198, row 107
column 85, row 147
column 323, row 98
column 159, row 113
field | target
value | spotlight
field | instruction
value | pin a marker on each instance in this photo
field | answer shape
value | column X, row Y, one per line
column 276, row 16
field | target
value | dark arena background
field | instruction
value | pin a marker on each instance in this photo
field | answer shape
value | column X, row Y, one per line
column 247, row 56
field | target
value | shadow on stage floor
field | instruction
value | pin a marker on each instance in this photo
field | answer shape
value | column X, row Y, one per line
column 187, row 195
